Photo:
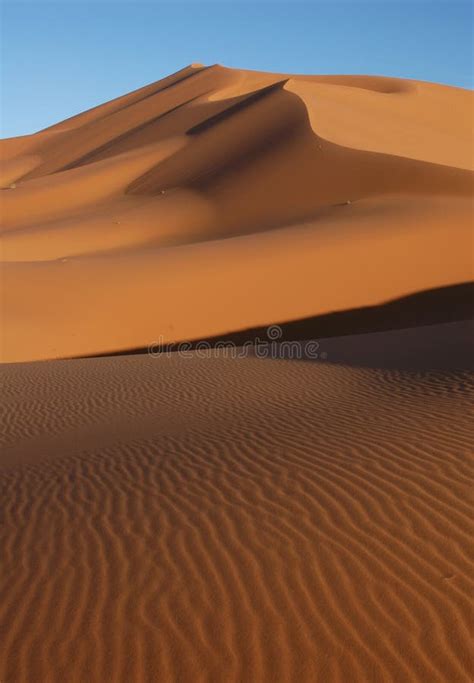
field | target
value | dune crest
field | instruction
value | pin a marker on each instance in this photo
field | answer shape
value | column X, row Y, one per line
column 350, row 187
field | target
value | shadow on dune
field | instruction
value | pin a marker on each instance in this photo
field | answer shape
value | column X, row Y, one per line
column 412, row 341
column 429, row 307
column 445, row 346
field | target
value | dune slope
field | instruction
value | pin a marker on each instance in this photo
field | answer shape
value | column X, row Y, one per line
column 149, row 215
column 212, row 518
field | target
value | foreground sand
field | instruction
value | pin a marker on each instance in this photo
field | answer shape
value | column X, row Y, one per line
column 219, row 199
column 213, row 519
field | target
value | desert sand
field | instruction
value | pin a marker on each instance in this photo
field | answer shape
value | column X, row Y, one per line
column 217, row 200
column 206, row 517
column 218, row 519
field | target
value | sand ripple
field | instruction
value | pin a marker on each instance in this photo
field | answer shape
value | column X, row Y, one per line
column 235, row 520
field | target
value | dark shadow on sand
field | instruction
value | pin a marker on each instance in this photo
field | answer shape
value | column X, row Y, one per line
column 447, row 346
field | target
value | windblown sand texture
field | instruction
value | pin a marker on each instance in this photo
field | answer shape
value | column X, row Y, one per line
column 215, row 519
column 212, row 519
column 217, row 199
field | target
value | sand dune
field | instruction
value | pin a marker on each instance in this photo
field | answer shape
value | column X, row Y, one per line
column 219, row 519
column 148, row 215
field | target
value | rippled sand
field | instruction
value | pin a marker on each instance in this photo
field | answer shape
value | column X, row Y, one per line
column 214, row 519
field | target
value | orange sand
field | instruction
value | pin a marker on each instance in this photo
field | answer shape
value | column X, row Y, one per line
column 213, row 519
column 217, row 199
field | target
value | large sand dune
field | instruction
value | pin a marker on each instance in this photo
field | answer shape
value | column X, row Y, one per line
column 216, row 200
column 217, row 519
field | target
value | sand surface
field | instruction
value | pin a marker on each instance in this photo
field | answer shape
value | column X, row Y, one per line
column 256, row 519
column 218, row 199
column 204, row 517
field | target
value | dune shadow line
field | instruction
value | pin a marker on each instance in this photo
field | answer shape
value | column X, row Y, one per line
column 430, row 307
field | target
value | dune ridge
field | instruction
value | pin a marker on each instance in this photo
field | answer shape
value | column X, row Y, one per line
column 349, row 187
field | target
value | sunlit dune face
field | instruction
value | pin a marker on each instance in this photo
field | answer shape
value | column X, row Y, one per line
column 291, row 196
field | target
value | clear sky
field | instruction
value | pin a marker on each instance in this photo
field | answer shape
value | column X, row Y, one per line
column 60, row 58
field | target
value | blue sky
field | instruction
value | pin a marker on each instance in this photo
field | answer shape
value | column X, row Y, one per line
column 60, row 58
